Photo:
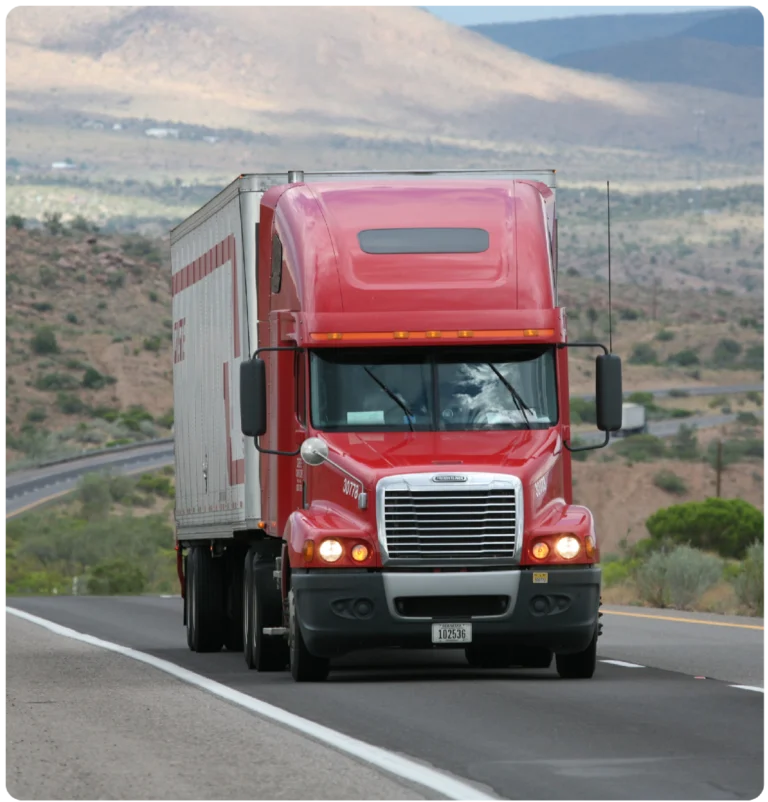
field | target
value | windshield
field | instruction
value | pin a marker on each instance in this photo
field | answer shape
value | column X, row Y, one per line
column 433, row 389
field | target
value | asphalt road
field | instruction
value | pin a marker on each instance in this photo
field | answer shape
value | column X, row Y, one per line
column 645, row 727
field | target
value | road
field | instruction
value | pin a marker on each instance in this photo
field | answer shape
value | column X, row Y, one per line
column 662, row 721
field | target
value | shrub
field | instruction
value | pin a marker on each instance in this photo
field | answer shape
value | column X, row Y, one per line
column 52, row 223
column 36, row 415
column 95, row 497
column 749, row 584
column 641, row 448
column 14, row 221
column 47, row 277
column 133, row 417
column 670, row 482
column 120, row 487
column 736, row 450
column 152, row 295
column 753, row 359
column 166, row 419
column 685, row 358
column 755, row 398
column 629, row 314
column 42, row 306
column 665, row 335
column 614, row 573
column 159, row 485
column 725, row 526
column 646, row 399
column 94, row 380
column 675, row 393
column 153, row 344
column 685, row 444
column 583, row 411
column 725, row 353
column 677, row 578
column 72, row 318
column 70, row 404
column 44, row 341
column 115, row 576
column 116, row 280
column 643, row 354
column 55, row 381
column 80, row 224
column 747, row 418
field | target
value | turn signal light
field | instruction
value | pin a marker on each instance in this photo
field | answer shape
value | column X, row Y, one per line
column 589, row 546
column 308, row 552
column 359, row 553
column 540, row 550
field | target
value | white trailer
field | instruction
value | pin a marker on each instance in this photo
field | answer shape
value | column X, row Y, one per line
column 633, row 419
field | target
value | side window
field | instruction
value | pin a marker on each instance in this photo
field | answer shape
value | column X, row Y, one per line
column 300, row 372
column 277, row 264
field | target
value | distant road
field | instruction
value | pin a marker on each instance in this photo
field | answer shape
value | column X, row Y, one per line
column 731, row 389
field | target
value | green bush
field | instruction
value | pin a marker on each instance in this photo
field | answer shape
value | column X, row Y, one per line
column 641, row 448
column 106, row 413
column 749, row 584
column 116, row 576
column 614, row 573
column 747, row 418
column 736, row 450
column 47, row 276
column 755, row 398
column 159, row 485
column 583, row 411
column 671, row 483
column 724, row 526
column 675, row 393
column 95, row 496
column 70, row 404
column 36, row 415
column 643, row 354
column 44, row 341
column 645, row 399
column 153, row 297
column 14, row 221
column 94, row 380
column 166, row 419
column 684, row 445
column 685, row 358
column 153, row 344
column 42, row 306
column 72, row 318
column 677, row 578
column 116, row 281
column 753, row 359
column 665, row 335
column 133, row 417
column 55, row 381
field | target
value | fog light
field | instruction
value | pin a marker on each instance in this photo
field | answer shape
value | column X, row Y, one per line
column 360, row 553
column 540, row 550
column 567, row 547
column 589, row 546
column 331, row 550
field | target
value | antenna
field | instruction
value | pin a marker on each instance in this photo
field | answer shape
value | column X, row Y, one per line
column 610, row 307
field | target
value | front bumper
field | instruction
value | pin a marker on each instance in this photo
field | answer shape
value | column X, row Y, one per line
column 342, row 611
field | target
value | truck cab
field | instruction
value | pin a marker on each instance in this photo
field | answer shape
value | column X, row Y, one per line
column 408, row 396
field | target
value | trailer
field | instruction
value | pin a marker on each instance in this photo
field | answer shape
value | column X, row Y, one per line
column 372, row 426
column 633, row 420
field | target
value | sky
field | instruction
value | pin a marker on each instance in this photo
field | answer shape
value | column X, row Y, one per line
column 476, row 15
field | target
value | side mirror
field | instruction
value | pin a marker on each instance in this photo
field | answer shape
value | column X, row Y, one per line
column 608, row 393
column 253, row 397
column 314, row 451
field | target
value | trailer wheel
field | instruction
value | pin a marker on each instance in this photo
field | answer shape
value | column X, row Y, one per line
column 262, row 607
column 205, row 619
column 305, row 667
column 233, row 636
column 580, row 665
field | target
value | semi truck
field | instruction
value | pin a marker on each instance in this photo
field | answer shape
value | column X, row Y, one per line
column 372, row 430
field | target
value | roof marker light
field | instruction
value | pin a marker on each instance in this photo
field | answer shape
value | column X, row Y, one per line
column 401, row 335
column 433, row 335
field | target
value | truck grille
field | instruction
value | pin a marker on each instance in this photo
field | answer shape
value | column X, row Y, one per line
column 444, row 524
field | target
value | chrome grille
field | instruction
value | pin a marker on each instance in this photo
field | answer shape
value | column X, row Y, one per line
column 450, row 523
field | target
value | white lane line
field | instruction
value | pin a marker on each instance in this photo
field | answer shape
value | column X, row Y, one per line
column 622, row 663
column 389, row 762
column 749, row 688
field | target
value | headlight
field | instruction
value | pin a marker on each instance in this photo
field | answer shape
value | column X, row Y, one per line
column 567, row 547
column 331, row 550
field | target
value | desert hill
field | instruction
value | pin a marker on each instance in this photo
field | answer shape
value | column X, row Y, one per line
column 321, row 86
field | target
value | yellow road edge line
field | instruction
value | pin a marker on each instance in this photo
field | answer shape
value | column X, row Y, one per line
column 684, row 620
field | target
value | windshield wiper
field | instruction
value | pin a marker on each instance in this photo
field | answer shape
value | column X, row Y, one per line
column 408, row 413
column 516, row 397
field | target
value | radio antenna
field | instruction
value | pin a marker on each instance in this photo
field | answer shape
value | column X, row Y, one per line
column 610, row 307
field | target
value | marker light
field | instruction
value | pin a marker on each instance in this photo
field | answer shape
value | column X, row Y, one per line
column 567, row 547
column 331, row 550
column 308, row 552
column 589, row 546
column 540, row 550
column 359, row 553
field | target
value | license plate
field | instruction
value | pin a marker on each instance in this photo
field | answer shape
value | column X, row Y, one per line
column 451, row 633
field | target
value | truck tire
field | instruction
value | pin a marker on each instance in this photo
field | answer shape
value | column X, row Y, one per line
column 580, row 665
column 262, row 607
column 233, row 635
column 305, row 667
column 205, row 618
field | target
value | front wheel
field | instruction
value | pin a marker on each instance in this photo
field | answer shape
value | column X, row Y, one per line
column 580, row 665
column 305, row 667
column 262, row 607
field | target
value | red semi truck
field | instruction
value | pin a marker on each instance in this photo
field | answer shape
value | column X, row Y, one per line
column 372, row 428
